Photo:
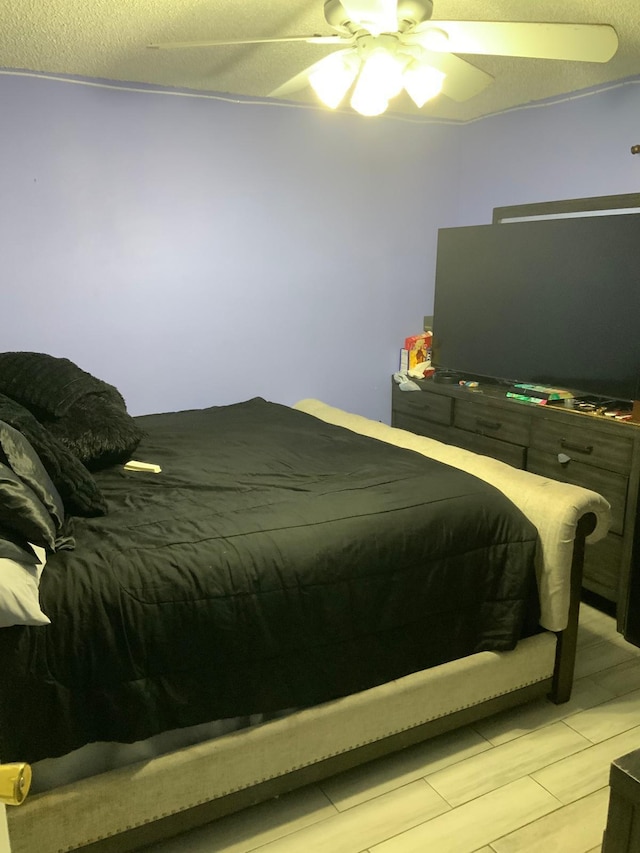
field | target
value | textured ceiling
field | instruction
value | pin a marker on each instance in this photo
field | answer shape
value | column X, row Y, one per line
column 108, row 39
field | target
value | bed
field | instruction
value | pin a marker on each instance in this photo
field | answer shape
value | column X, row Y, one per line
column 295, row 591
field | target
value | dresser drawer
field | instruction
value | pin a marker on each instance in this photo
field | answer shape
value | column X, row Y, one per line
column 421, row 405
column 421, row 426
column 595, row 447
column 505, row 451
column 609, row 484
column 501, row 422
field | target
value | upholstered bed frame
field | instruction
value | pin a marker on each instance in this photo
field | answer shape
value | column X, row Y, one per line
column 126, row 808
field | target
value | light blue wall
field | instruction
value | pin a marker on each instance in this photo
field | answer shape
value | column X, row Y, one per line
column 196, row 252
column 571, row 148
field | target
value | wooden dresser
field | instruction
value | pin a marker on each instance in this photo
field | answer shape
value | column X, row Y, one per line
column 584, row 449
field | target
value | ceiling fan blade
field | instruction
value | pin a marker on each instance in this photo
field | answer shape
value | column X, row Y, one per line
column 579, row 42
column 375, row 16
column 294, row 84
column 463, row 80
column 316, row 39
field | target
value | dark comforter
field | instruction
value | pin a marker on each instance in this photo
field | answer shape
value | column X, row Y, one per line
column 277, row 561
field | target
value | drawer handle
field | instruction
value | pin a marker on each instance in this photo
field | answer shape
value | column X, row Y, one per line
column 577, row 448
column 488, row 424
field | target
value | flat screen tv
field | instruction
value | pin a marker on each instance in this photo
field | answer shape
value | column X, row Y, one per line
column 554, row 302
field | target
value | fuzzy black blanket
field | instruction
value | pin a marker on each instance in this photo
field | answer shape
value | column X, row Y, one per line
column 49, row 386
column 75, row 422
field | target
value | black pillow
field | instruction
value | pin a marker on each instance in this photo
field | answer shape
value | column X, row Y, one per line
column 98, row 430
column 16, row 548
column 46, row 385
column 87, row 415
column 77, row 488
column 19, row 455
column 23, row 513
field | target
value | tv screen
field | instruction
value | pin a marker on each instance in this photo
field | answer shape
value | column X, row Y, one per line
column 554, row 302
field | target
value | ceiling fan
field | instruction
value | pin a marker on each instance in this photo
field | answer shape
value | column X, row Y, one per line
column 390, row 45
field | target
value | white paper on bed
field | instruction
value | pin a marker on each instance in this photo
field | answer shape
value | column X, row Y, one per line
column 531, row 493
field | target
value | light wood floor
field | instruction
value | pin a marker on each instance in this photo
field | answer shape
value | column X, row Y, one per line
column 533, row 779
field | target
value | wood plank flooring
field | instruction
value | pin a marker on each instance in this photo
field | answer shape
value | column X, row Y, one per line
column 528, row 780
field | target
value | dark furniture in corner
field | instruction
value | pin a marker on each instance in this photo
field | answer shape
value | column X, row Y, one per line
column 622, row 834
column 593, row 452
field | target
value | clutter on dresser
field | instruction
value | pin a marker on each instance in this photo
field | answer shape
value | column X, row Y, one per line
column 415, row 355
column 404, row 383
column 541, row 394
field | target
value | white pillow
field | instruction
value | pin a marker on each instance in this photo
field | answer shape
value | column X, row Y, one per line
column 19, row 595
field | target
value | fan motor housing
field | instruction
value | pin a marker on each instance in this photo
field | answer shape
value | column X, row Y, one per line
column 413, row 12
column 410, row 13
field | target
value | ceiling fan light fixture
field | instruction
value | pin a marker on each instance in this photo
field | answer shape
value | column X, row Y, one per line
column 368, row 103
column 380, row 80
column 381, row 72
column 333, row 76
column 422, row 83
